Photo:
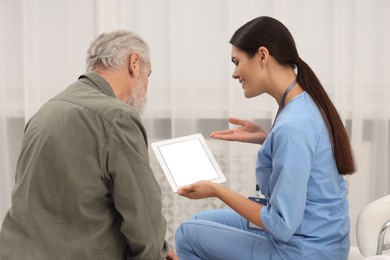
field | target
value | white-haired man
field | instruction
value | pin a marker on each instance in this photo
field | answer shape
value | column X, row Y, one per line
column 84, row 188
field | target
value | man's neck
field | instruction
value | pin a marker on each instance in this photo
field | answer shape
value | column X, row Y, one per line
column 117, row 80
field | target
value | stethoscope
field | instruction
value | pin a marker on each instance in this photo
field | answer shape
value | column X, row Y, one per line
column 281, row 106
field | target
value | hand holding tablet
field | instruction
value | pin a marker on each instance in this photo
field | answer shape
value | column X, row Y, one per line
column 186, row 160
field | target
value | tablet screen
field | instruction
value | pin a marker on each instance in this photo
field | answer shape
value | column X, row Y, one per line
column 186, row 160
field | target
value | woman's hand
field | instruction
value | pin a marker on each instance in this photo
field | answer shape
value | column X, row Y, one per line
column 242, row 205
column 248, row 132
column 198, row 190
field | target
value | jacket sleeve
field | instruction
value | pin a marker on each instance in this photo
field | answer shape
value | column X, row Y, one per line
column 135, row 191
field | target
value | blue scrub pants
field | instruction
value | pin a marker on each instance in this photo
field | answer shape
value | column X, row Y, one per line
column 222, row 234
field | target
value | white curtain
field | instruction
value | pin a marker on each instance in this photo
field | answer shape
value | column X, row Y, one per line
column 43, row 45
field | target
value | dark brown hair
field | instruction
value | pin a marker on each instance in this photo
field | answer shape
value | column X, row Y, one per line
column 270, row 33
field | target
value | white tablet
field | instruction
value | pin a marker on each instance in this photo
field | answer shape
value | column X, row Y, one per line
column 186, row 160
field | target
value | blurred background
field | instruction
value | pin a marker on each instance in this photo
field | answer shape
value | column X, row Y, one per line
column 346, row 42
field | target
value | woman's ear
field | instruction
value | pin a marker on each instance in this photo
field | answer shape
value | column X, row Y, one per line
column 263, row 56
column 133, row 65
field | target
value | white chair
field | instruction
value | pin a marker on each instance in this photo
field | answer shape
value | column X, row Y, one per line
column 371, row 226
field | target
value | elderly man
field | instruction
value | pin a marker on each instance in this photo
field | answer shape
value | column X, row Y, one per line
column 84, row 188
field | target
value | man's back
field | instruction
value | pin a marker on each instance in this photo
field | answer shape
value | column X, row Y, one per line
column 83, row 182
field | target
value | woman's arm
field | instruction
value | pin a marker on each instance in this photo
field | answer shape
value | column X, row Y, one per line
column 243, row 206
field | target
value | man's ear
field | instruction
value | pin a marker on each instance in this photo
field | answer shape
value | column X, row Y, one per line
column 134, row 64
column 263, row 55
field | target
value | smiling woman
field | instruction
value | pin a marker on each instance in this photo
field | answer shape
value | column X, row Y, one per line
column 307, row 148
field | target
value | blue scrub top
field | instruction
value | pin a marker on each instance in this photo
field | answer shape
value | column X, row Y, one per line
column 307, row 213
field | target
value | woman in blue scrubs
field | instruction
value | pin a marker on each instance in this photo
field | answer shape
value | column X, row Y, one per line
column 300, row 165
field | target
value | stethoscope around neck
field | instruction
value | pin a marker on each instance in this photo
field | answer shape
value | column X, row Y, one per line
column 281, row 104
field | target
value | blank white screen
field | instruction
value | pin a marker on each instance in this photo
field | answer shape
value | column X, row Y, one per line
column 188, row 162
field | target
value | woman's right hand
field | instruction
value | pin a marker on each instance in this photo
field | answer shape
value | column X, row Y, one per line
column 198, row 190
column 247, row 131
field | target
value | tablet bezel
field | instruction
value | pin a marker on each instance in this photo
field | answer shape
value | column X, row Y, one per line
column 155, row 146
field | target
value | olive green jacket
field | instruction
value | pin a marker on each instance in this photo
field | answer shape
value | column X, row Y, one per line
column 84, row 188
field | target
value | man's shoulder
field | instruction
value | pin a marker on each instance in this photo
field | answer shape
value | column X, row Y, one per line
column 86, row 98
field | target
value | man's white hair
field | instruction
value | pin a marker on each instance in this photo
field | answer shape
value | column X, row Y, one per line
column 111, row 50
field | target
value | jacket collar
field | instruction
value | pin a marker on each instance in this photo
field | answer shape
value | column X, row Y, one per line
column 98, row 82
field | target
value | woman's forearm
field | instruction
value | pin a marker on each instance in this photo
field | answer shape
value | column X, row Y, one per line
column 242, row 205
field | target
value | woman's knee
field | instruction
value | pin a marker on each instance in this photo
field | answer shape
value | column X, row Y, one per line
column 179, row 236
column 185, row 241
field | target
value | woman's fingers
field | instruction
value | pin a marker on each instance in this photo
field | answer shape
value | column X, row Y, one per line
column 236, row 121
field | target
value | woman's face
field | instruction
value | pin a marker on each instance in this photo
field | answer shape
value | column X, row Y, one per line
column 248, row 72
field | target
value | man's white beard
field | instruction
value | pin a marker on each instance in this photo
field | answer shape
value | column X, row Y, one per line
column 137, row 98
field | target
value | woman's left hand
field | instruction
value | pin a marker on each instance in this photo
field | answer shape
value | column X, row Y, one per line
column 198, row 190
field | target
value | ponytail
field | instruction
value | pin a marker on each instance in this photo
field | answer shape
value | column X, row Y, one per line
column 342, row 150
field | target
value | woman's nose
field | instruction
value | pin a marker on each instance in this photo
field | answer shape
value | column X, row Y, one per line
column 235, row 75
